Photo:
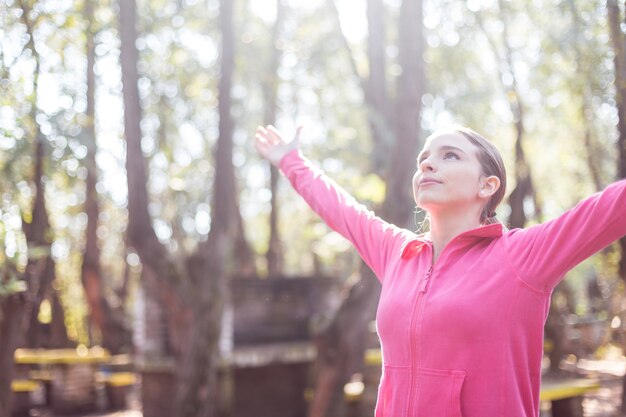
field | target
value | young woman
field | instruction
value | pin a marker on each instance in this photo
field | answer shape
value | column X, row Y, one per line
column 462, row 307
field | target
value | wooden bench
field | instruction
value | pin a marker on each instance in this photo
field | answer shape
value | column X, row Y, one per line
column 70, row 378
column 117, row 386
column 26, row 395
column 45, row 377
column 566, row 396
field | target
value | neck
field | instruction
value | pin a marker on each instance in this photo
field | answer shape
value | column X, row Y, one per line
column 445, row 226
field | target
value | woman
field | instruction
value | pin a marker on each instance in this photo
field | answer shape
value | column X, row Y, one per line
column 462, row 307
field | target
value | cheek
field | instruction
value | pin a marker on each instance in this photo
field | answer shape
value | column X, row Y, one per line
column 467, row 183
column 414, row 182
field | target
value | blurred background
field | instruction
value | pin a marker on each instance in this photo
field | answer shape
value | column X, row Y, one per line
column 150, row 260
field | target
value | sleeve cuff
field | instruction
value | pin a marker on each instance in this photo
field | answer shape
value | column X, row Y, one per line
column 289, row 159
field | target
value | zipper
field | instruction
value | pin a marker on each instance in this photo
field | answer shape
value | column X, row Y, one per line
column 422, row 290
column 421, row 293
column 424, row 283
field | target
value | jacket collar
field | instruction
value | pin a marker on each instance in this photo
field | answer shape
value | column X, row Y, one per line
column 413, row 247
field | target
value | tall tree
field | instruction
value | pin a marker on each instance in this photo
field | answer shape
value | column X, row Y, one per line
column 270, row 91
column 618, row 38
column 17, row 309
column 377, row 97
column 110, row 321
column 38, row 231
column 342, row 344
column 508, row 78
column 199, row 397
column 206, row 269
column 586, row 93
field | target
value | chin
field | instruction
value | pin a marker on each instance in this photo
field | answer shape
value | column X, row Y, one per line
column 425, row 204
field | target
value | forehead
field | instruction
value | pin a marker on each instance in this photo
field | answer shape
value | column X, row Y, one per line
column 448, row 139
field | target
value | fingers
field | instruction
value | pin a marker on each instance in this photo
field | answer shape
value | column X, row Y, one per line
column 261, row 144
column 274, row 134
column 269, row 134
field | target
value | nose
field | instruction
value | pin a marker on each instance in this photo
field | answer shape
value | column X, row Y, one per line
column 427, row 165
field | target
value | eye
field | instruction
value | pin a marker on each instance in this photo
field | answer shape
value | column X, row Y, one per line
column 451, row 155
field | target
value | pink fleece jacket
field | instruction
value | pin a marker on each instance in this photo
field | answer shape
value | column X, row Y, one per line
column 463, row 337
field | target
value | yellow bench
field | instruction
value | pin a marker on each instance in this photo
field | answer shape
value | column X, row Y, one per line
column 24, row 385
column 117, row 385
column 567, row 395
column 558, row 390
column 117, row 379
column 79, row 355
column 26, row 395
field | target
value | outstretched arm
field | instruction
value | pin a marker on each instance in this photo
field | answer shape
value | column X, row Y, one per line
column 542, row 254
column 375, row 240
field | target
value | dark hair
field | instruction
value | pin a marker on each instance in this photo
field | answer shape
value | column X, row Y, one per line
column 492, row 164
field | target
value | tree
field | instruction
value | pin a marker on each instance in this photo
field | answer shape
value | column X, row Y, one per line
column 342, row 343
column 38, row 232
column 199, row 282
column 618, row 39
column 20, row 304
column 586, row 92
column 13, row 303
column 274, row 253
column 110, row 321
column 506, row 74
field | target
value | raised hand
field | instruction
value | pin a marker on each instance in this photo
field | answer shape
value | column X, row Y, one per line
column 269, row 142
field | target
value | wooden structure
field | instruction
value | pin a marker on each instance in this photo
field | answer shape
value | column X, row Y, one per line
column 271, row 332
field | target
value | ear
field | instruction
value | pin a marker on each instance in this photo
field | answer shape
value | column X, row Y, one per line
column 488, row 186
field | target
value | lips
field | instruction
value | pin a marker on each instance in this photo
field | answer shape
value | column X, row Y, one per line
column 428, row 181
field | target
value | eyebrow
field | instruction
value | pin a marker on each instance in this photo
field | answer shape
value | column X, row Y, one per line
column 443, row 148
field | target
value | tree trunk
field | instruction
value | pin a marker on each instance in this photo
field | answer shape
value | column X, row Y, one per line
column 619, row 46
column 198, row 387
column 377, row 102
column 618, row 40
column 586, row 93
column 170, row 277
column 275, row 253
column 523, row 180
column 206, row 269
column 399, row 205
column 342, row 344
column 377, row 99
column 110, row 321
column 41, row 276
column 15, row 309
column 11, row 317
column 38, row 233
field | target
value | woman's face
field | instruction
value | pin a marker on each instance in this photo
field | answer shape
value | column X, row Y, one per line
column 448, row 174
